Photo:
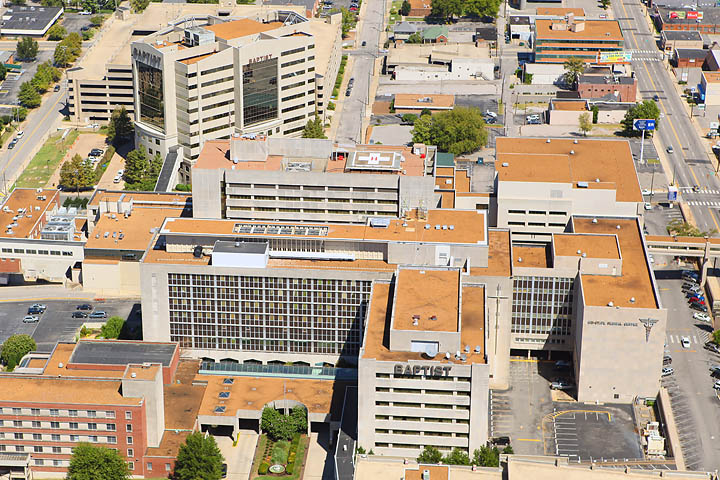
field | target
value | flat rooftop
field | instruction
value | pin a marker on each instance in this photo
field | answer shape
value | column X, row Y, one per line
column 592, row 246
column 682, row 35
column 560, row 11
column 159, row 199
column 536, row 160
column 468, row 226
column 429, row 297
column 569, row 105
column 326, row 34
column 241, row 28
column 39, row 390
column 25, row 210
column 531, row 256
column 377, row 331
column 115, row 232
column 499, row 260
column 29, row 18
column 120, row 352
column 253, row 393
column 604, row 30
column 635, row 281
column 712, row 77
column 419, row 101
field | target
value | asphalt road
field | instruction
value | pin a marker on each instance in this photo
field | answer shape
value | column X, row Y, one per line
column 353, row 110
column 695, row 407
column 689, row 163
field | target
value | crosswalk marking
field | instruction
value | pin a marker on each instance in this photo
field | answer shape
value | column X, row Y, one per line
column 702, row 190
column 693, row 339
column 705, row 204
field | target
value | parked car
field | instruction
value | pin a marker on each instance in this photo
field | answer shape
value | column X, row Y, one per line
column 647, row 191
column 84, row 306
column 685, row 342
column 690, row 275
column 98, row 314
column 690, row 294
column 56, row 88
column 117, row 179
column 12, row 143
column 656, row 97
column 79, row 314
column 560, row 364
column 85, row 12
column 363, row 43
column 699, row 300
column 698, row 306
column 20, row 134
column 703, row 317
column 712, row 347
column 34, row 311
column 500, row 441
column 667, row 360
column 353, row 9
column 223, row 471
column 31, row 319
column 648, row 206
column 666, row 371
column 40, row 306
column 716, row 385
column 561, row 385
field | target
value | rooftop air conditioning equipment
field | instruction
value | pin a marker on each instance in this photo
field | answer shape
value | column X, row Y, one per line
column 519, row 259
column 133, row 374
column 547, row 141
column 197, row 252
column 428, row 227
column 505, row 164
column 575, row 141
column 610, row 304
column 477, row 349
column 467, row 348
column 426, row 475
column 437, row 227
column 447, row 355
column 572, row 152
column 594, row 220
column 579, row 252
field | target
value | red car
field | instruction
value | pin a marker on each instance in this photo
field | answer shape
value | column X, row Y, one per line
column 353, row 9
column 697, row 300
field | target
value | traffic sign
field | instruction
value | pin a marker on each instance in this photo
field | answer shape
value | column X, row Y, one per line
column 644, row 124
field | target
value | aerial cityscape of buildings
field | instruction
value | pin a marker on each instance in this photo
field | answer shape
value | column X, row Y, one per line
column 348, row 239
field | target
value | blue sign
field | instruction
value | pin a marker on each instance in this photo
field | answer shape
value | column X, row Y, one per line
column 644, row 124
column 672, row 194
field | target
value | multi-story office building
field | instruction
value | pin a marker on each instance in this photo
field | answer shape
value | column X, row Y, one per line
column 91, row 392
column 558, row 40
column 541, row 183
column 273, row 178
column 199, row 81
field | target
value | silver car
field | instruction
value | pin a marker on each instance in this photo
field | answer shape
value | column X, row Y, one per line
column 31, row 319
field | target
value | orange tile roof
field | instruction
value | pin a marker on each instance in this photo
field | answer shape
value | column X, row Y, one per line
column 536, row 160
column 197, row 58
column 427, row 294
column 635, row 280
column 606, row 30
column 593, row 246
column 241, row 28
column 33, row 217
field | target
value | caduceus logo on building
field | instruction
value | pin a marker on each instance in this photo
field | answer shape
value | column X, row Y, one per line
column 648, row 323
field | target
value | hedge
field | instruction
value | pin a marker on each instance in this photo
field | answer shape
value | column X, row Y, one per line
column 263, row 468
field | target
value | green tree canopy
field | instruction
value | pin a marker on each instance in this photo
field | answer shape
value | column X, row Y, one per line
column 458, row 131
column 28, row 95
column 113, row 327
column 482, row 8
column 456, row 457
column 430, row 455
column 405, row 8
column 27, row 48
column 447, row 9
column 585, row 123
column 16, row 347
column 67, row 51
column 283, row 427
column 90, row 462
column 414, row 38
column 645, row 109
column 681, row 228
column 716, row 337
column 97, row 20
column 120, row 127
column 136, row 164
column 314, row 128
column 349, row 19
column 76, row 174
column 486, row 457
column 3, row 71
column 45, row 76
column 605, row 4
column 56, row 32
column 139, row 5
column 574, row 67
column 199, row 458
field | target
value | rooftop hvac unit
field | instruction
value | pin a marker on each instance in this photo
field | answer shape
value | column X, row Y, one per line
column 426, row 475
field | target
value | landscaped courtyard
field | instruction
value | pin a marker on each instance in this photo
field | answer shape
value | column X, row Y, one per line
column 282, row 448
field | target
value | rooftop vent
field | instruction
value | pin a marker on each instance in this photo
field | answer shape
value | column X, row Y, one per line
column 433, row 317
column 597, row 180
column 451, row 227
column 594, row 220
column 428, row 227
column 219, row 409
column 477, row 348
column 547, row 141
column 447, row 355
column 426, row 475
column 133, row 375
column 505, row 164
column 584, row 255
column 463, row 357
column 582, row 184
column 60, row 365
column 519, row 259
column 228, row 381
column 224, row 395
column 575, row 141
column 579, row 252
column 617, row 227
column 632, row 299
column 467, row 348
column 610, row 304
column 572, row 152
column 437, row 227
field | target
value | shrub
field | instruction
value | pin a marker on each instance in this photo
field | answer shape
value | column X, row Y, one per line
column 280, row 452
column 331, row 106
column 263, row 468
column 183, row 187
column 290, row 468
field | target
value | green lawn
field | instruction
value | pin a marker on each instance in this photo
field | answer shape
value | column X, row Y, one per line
column 41, row 167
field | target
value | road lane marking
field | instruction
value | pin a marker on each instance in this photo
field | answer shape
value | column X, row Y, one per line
column 528, row 440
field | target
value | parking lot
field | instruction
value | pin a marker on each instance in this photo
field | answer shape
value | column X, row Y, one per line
column 56, row 324
column 74, row 22
column 10, row 87
column 540, row 421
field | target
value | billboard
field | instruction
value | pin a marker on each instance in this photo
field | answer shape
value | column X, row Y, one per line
column 682, row 15
column 676, row 15
column 614, row 57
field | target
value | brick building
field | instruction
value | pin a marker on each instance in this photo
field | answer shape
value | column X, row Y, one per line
column 619, row 89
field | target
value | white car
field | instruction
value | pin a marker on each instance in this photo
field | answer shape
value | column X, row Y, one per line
column 666, row 371
column 647, row 191
column 117, row 179
column 703, row 317
column 648, row 206
column 31, row 319
column 685, row 342
column 717, row 385
column 120, row 173
column 85, row 12
column 20, row 134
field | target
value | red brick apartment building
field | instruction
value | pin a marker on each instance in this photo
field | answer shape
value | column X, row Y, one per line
column 129, row 396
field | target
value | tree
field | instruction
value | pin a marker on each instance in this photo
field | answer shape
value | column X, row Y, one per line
column 120, row 126
column 574, row 66
column 68, row 49
column 716, row 337
column 28, row 95
column 113, row 327
column 56, row 32
column 486, row 457
column 27, row 48
column 508, row 450
column 680, row 228
column 62, row 56
column 283, row 427
column 405, row 8
column 76, row 174
column 349, row 19
column 446, row 9
column 136, row 165
column 16, row 347
column 458, row 131
column 605, row 4
column 139, row 5
column 414, row 38
column 482, row 8
column 45, row 76
column 596, row 112
column 409, row 118
column 430, row 455
column 97, row 20
column 457, row 457
column 52, row 3
column 3, row 71
column 314, row 129
column 90, row 462
column 585, row 123
column 199, row 458
column 645, row 109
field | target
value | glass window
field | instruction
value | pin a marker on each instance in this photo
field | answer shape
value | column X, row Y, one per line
column 149, row 466
column 128, row 428
column 260, row 94
column 130, row 452
column 150, row 91
column 128, row 415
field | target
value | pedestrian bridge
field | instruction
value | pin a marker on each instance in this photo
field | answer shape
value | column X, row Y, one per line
column 701, row 247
